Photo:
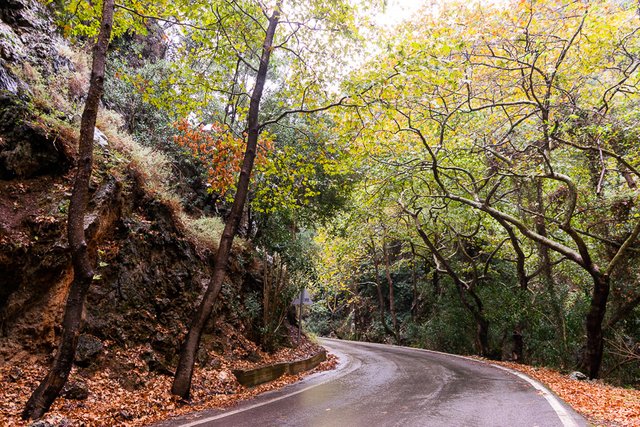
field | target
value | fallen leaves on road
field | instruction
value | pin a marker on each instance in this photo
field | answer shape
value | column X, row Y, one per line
column 602, row 404
column 110, row 403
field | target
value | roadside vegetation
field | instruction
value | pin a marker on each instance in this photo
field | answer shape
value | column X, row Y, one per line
column 496, row 211
column 466, row 180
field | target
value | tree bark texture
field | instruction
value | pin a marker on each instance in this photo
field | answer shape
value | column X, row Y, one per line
column 546, row 270
column 184, row 372
column 392, row 300
column 50, row 387
column 517, row 341
column 476, row 309
column 381, row 303
column 595, row 317
column 482, row 335
column 414, row 284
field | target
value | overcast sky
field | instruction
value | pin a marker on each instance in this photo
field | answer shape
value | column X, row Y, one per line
column 399, row 10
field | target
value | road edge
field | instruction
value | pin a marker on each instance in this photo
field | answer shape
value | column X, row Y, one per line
column 554, row 400
column 557, row 404
column 345, row 366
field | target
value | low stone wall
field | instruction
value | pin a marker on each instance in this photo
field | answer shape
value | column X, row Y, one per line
column 254, row 377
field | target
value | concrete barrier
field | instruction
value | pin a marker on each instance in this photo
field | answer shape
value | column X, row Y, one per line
column 254, row 377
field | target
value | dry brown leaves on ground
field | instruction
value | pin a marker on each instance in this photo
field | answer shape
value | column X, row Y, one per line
column 601, row 404
column 111, row 402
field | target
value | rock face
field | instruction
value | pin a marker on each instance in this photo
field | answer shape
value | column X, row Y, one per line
column 89, row 347
column 52, row 421
column 578, row 376
column 155, row 364
column 75, row 390
column 28, row 38
column 26, row 150
column 7, row 81
column 100, row 138
column 149, row 275
column 28, row 34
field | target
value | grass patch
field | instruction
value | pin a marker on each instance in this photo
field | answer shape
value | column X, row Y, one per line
column 56, row 101
column 206, row 231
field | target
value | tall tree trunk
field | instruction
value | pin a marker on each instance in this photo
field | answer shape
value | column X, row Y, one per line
column 50, row 387
column 517, row 343
column 184, row 372
column 392, row 301
column 595, row 316
column 414, row 284
column 523, row 279
column 476, row 309
column 482, row 334
column 229, row 111
column 381, row 304
column 435, row 281
column 517, row 338
column 546, row 270
column 592, row 359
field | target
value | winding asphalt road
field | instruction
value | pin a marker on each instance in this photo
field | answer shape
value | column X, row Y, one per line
column 381, row 385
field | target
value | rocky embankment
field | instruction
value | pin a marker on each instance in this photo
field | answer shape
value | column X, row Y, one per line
column 150, row 272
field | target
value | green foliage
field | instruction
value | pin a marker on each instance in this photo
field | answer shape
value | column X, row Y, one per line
column 79, row 19
column 491, row 129
column 152, row 124
column 125, row 87
column 277, row 294
column 476, row 137
column 253, row 307
column 304, row 177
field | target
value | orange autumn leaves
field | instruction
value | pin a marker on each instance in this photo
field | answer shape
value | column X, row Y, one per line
column 602, row 404
column 111, row 403
column 220, row 151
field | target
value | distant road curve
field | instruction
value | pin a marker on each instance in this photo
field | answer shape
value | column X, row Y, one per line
column 382, row 385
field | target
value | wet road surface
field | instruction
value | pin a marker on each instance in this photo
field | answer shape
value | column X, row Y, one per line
column 379, row 385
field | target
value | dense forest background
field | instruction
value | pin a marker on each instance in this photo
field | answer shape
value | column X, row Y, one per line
column 465, row 180
column 496, row 204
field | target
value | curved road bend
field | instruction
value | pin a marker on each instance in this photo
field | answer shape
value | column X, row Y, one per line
column 381, row 385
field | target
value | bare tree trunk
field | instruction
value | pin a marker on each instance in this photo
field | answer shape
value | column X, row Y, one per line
column 414, row 284
column 477, row 311
column 546, row 270
column 229, row 111
column 435, row 281
column 523, row 279
column 482, row 334
column 595, row 316
column 517, row 341
column 381, row 304
column 392, row 301
column 517, row 338
column 184, row 372
column 464, row 289
column 50, row 387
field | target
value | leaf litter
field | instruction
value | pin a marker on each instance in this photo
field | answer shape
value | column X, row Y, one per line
column 111, row 403
column 602, row 404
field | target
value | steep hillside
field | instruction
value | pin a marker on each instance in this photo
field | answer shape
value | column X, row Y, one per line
column 152, row 260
